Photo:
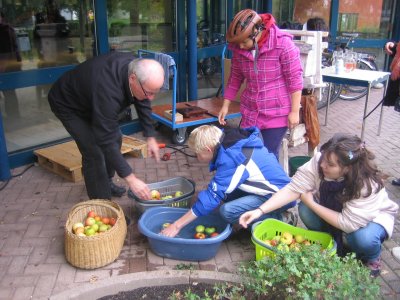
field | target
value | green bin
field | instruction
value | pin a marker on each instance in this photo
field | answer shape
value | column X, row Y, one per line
column 296, row 162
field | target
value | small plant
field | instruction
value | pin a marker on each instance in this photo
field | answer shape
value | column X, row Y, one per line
column 309, row 273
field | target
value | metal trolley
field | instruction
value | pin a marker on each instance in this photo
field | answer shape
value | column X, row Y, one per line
column 167, row 113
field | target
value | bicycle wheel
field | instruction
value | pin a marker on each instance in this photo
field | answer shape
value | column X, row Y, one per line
column 335, row 92
column 350, row 93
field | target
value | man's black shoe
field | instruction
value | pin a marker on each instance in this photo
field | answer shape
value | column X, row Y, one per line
column 117, row 191
column 396, row 182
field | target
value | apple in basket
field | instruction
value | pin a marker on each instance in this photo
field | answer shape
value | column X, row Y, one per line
column 200, row 228
column 155, row 195
column 178, row 194
column 199, row 235
column 286, row 238
column 76, row 226
column 299, row 238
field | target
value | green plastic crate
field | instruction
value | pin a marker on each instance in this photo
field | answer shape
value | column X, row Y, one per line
column 269, row 228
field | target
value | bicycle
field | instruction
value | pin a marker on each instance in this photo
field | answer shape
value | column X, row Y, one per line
column 364, row 61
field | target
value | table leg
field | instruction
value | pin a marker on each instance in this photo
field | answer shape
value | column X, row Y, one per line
column 365, row 112
column 328, row 103
column 381, row 114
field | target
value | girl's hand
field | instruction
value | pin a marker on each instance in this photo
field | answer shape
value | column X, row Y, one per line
column 293, row 119
column 388, row 48
column 171, row 231
column 307, row 198
column 249, row 216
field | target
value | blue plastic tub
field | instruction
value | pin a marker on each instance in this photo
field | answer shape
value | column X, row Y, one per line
column 184, row 246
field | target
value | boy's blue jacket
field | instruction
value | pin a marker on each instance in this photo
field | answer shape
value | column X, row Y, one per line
column 261, row 174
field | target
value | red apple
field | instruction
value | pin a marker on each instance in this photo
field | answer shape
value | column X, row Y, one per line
column 199, row 235
column 155, row 195
column 214, row 234
column 112, row 221
column 91, row 214
column 90, row 221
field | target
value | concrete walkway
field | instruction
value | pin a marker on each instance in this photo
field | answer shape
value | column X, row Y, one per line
column 35, row 204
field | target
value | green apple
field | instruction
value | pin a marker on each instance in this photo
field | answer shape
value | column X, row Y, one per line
column 178, row 194
column 283, row 247
column 200, row 228
column 299, row 238
column 286, row 238
column 96, row 227
column 210, row 230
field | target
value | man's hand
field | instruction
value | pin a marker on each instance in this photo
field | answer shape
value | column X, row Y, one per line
column 249, row 216
column 152, row 148
column 138, row 187
column 170, row 231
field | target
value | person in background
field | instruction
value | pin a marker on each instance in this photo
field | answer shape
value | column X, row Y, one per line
column 88, row 100
column 341, row 193
column 269, row 62
column 246, row 175
column 393, row 90
column 10, row 61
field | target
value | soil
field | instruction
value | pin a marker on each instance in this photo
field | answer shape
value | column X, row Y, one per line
column 162, row 292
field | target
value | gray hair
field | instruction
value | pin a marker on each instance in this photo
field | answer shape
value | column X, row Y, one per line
column 138, row 67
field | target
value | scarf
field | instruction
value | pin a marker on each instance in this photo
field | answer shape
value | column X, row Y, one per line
column 268, row 21
column 329, row 192
column 395, row 65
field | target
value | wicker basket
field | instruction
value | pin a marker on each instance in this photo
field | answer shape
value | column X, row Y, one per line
column 90, row 252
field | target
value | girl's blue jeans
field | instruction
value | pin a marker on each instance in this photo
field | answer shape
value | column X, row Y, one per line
column 232, row 210
column 365, row 242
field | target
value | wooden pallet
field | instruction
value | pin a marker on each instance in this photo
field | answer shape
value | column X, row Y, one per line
column 65, row 159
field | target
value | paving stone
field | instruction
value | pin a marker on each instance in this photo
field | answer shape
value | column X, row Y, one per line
column 44, row 286
column 23, row 293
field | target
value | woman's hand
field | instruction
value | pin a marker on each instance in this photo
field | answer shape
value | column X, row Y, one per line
column 293, row 119
column 307, row 198
column 223, row 112
column 171, row 231
column 249, row 216
column 388, row 48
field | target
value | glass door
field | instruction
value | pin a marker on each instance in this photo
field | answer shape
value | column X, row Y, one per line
column 40, row 40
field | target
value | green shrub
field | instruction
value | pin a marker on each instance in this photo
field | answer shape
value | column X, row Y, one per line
column 310, row 274
column 306, row 274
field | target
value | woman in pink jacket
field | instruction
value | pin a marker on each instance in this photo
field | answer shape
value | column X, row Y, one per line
column 270, row 63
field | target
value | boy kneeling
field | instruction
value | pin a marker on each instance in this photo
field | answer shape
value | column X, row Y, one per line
column 246, row 175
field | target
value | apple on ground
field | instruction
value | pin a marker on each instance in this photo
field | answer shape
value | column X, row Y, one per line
column 199, row 235
column 200, row 228
column 286, row 238
column 299, row 238
column 210, row 230
column 155, row 195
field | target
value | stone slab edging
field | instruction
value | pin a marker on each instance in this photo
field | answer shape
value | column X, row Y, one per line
column 132, row 281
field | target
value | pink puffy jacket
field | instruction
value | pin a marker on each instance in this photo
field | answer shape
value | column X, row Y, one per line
column 271, row 78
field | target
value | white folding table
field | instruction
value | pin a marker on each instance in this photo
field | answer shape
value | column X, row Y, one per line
column 357, row 77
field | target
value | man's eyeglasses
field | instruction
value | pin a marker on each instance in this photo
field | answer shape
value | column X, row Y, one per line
column 146, row 93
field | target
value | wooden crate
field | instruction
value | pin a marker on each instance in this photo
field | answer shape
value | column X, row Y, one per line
column 65, row 159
